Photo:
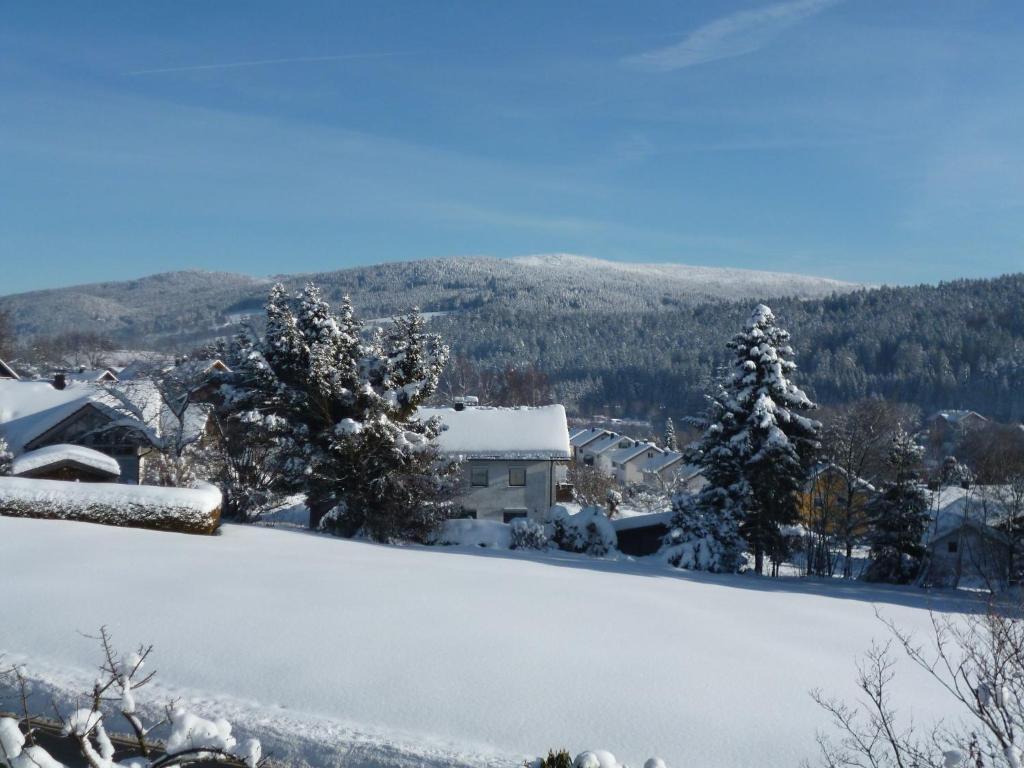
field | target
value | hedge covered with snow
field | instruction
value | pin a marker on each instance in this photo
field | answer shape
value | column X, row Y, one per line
column 186, row 510
column 585, row 532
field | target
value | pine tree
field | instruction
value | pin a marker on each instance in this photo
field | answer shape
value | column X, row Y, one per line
column 898, row 516
column 350, row 438
column 6, row 458
column 670, row 435
column 757, row 445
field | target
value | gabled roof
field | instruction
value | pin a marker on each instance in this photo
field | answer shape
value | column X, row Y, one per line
column 63, row 455
column 824, row 467
column 957, row 417
column 664, row 461
column 30, row 410
column 623, row 455
column 6, row 372
column 502, row 433
column 606, row 443
column 583, row 437
column 90, row 376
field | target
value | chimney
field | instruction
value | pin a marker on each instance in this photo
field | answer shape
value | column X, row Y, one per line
column 60, row 380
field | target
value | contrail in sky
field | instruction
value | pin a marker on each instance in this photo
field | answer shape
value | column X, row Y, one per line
column 262, row 62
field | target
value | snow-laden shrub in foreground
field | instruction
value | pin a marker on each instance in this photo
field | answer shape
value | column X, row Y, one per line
column 192, row 739
column 187, row 510
column 597, row 758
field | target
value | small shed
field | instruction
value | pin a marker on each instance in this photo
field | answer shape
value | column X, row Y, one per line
column 67, row 462
column 642, row 535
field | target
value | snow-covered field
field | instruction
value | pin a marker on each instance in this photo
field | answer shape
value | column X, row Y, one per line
column 346, row 653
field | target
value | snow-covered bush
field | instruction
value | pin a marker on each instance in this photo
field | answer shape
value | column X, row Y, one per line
column 587, row 532
column 528, row 534
column 186, row 510
column 702, row 538
column 6, row 458
column 597, row 758
column 192, row 739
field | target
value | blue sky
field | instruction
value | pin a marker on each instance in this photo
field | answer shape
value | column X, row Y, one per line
column 861, row 139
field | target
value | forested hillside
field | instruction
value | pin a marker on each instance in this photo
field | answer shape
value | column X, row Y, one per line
column 632, row 340
column 955, row 345
column 189, row 306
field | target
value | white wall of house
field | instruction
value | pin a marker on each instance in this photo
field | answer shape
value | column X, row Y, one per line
column 632, row 471
column 488, row 487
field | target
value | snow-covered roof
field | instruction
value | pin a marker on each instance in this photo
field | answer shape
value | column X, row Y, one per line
column 622, row 455
column 606, row 443
column 29, row 408
column 956, row 417
column 500, row 433
column 825, row 466
column 90, row 375
column 664, row 461
column 642, row 521
column 581, row 437
column 51, row 455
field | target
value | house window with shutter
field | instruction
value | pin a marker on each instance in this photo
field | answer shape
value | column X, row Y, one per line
column 517, row 476
column 478, row 477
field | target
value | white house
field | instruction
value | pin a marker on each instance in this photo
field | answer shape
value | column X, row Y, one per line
column 581, row 438
column 628, row 463
column 669, row 469
column 513, row 458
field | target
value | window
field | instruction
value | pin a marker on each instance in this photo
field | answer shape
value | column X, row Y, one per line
column 517, row 476
column 511, row 514
column 467, row 514
column 951, row 547
column 478, row 476
column 588, row 461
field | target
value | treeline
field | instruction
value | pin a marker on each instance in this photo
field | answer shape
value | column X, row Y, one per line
column 955, row 345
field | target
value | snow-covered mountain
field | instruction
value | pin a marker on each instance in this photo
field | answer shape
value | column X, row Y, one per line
column 194, row 304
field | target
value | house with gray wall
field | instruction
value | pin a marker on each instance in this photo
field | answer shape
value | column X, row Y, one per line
column 513, row 460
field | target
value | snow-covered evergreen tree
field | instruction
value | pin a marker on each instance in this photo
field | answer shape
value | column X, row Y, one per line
column 6, row 458
column 755, row 448
column 898, row 516
column 351, row 439
column 670, row 435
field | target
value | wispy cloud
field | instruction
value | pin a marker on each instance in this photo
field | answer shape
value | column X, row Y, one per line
column 733, row 35
column 266, row 62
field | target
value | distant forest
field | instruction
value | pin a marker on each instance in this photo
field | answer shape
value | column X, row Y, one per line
column 955, row 345
column 642, row 341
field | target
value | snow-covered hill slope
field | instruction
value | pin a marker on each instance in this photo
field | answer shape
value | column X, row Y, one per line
column 345, row 653
column 196, row 305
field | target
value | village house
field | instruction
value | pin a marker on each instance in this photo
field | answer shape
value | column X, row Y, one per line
column 122, row 421
column 581, row 438
column 514, row 459
column 670, row 471
column 946, row 429
column 627, row 464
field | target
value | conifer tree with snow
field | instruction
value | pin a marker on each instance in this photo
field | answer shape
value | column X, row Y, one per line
column 350, row 436
column 6, row 458
column 755, row 449
column 670, row 435
column 898, row 516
